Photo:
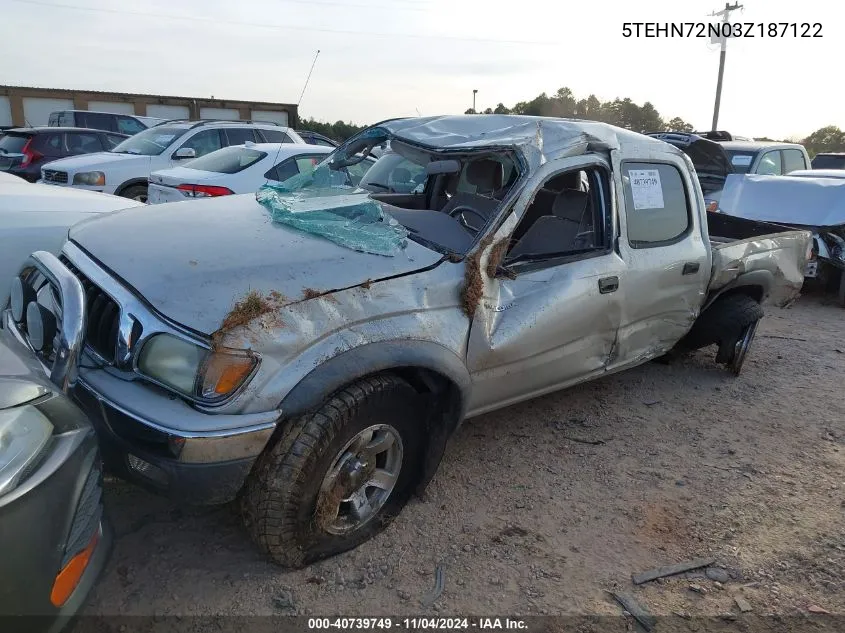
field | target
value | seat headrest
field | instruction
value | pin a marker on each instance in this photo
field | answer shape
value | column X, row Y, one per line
column 400, row 174
column 485, row 174
column 570, row 204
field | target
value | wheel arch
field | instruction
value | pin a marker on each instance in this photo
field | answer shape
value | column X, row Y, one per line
column 755, row 284
column 431, row 369
column 130, row 183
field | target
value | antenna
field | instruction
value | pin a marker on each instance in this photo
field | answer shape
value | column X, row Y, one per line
column 307, row 79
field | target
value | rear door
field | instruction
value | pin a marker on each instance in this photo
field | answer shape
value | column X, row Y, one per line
column 97, row 121
column 664, row 244
column 82, row 143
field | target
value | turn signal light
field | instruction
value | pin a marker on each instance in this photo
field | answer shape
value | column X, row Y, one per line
column 69, row 577
column 204, row 191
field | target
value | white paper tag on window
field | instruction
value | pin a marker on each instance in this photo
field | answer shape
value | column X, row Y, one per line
column 741, row 160
column 646, row 189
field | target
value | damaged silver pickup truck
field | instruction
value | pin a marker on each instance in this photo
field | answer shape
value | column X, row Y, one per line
column 311, row 349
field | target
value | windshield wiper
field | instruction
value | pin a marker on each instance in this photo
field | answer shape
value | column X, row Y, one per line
column 377, row 184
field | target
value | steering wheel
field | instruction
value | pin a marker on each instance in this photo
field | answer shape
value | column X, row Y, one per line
column 459, row 212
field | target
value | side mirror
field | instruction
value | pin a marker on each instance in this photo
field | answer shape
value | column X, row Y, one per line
column 184, row 152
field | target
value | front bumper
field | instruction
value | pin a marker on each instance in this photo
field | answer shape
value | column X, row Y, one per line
column 50, row 525
column 97, row 188
column 146, row 455
column 147, row 435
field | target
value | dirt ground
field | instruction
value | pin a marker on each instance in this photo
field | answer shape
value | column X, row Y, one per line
column 681, row 461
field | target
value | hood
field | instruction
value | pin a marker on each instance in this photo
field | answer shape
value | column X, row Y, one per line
column 92, row 161
column 708, row 157
column 193, row 260
column 23, row 196
column 817, row 202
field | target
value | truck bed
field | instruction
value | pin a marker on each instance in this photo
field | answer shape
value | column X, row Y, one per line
column 775, row 255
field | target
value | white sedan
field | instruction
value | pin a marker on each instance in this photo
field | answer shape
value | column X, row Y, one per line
column 240, row 169
column 37, row 217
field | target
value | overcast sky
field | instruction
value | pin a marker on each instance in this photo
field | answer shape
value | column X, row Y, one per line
column 385, row 58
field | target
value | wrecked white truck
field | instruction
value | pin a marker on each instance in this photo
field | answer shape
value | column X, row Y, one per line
column 311, row 349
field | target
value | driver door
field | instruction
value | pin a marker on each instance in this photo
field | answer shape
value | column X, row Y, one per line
column 555, row 322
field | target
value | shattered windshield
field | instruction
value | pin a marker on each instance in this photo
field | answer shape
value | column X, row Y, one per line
column 409, row 193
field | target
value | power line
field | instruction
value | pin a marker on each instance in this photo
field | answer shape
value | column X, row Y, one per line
column 281, row 27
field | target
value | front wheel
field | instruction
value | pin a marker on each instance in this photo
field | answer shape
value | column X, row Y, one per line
column 337, row 477
column 841, row 293
column 135, row 192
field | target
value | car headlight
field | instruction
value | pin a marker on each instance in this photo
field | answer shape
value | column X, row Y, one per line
column 91, row 178
column 24, row 433
column 193, row 370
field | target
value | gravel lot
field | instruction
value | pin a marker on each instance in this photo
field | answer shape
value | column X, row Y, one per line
column 683, row 461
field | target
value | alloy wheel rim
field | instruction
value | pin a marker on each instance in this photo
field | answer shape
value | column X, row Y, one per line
column 360, row 480
column 742, row 345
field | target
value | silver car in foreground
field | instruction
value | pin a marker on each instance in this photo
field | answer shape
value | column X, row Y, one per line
column 311, row 348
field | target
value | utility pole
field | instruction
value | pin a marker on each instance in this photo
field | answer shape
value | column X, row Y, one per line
column 473, row 101
column 725, row 13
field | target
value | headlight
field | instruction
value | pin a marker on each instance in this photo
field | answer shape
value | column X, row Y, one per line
column 193, row 370
column 24, row 432
column 91, row 178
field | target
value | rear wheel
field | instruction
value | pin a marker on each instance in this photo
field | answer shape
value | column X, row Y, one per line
column 841, row 292
column 337, row 477
column 135, row 192
column 731, row 323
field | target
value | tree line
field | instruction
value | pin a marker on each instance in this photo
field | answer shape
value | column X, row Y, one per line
column 620, row 112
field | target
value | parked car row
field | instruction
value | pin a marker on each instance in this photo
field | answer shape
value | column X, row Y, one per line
column 24, row 151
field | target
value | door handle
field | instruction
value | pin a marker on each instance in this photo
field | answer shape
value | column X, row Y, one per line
column 690, row 268
column 608, row 285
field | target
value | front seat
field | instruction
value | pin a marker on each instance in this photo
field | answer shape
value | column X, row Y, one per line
column 570, row 206
column 485, row 175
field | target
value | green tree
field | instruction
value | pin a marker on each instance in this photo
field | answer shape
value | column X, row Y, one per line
column 339, row 130
column 827, row 139
column 501, row 109
column 678, row 125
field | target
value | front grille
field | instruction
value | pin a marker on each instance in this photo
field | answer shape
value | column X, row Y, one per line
column 89, row 511
column 51, row 175
column 103, row 316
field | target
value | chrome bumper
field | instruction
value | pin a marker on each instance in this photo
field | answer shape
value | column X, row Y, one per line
column 245, row 435
column 65, row 366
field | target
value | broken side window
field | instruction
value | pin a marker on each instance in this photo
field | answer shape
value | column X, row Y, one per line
column 567, row 217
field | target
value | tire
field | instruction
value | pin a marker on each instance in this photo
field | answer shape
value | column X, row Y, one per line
column 731, row 323
column 841, row 291
column 135, row 192
column 290, row 500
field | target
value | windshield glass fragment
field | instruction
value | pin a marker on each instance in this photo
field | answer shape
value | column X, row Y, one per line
column 349, row 219
column 440, row 200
